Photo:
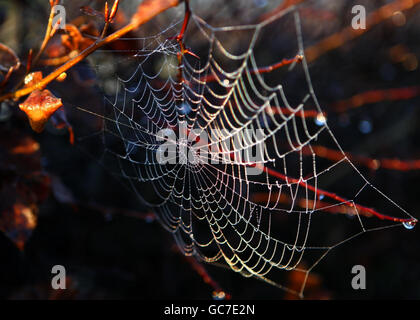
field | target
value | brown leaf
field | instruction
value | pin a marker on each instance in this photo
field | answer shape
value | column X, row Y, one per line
column 89, row 29
column 18, row 223
column 73, row 40
column 39, row 107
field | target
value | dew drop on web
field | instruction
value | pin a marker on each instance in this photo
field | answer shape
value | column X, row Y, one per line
column 320, row 119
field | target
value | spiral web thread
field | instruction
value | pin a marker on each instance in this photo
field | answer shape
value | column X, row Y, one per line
column 211, row 209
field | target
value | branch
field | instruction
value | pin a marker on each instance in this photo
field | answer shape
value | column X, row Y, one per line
column 218, row 292
column 376, row 96
column 333, row 196
column 371, row 163
column 147, row 10
column 339, row 38
column 48, row 33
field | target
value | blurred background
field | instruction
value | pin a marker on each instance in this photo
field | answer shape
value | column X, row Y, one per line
column 59, row 206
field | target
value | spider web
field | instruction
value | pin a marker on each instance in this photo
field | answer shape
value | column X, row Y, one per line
column 284, row 218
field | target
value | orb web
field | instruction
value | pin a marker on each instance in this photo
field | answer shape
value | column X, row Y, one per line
column 260, row 225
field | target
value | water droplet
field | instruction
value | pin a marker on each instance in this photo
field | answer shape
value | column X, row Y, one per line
column 409, row 224
column 320, row 119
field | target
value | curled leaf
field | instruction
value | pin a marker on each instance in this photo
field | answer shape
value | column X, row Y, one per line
column 39, row 107
column 73, row 39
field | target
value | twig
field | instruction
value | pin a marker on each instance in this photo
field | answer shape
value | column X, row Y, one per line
column 327, row 194
column 333, row 196
column 337, row 39
column 180, row 39
column 109, row 16
column 371, row 163
column 147, row 10
column 218, row 292
column 375, row 96
column 284, row 62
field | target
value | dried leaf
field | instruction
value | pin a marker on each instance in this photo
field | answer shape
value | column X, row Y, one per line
column 72, row 39
column 39, row 107
column 59, row 121
column 23, row 185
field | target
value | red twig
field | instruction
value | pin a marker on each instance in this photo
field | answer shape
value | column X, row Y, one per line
column 267, row 69
column 330, row 195
column 305, row 114
column 180, row 39
column 263, row 197
column 375, row 96
column 392, row 164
